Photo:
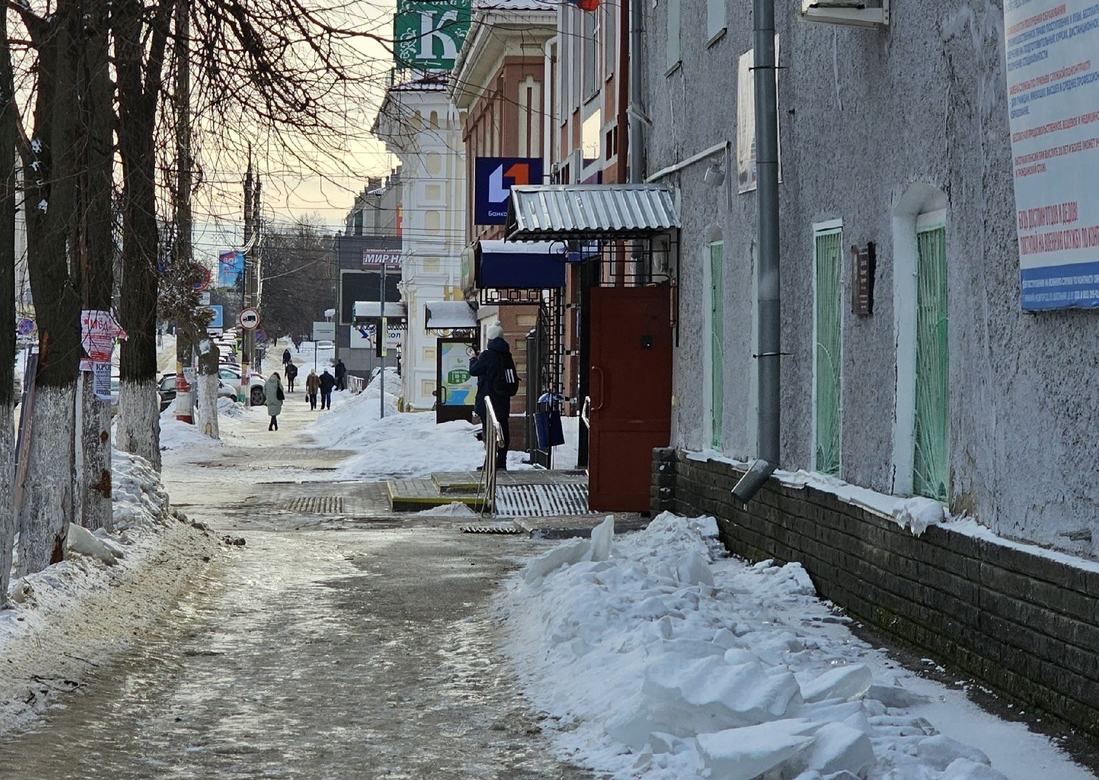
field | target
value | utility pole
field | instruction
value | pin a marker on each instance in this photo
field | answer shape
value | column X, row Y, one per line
column 185, row 379
column 247, row 337
column 382, row 334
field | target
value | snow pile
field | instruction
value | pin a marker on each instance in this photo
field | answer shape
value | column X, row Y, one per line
column 918, row 514
column 660, row 658
column 75, row 615
column 407, row 444
column 453, row 509
column 227, row 407
column 177, row 435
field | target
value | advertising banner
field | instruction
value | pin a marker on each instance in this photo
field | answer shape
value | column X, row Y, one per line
column 427, row 34
column 746, row 121
column 457, row 387
column 98, row 331
column 374, row 259
column 1053, row 98
column 230, row 267
column 493, row 179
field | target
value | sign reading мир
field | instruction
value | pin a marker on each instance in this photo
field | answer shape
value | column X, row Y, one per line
column 429, row 33
column 494, row 177
column 1053, row 99
column 376, row 258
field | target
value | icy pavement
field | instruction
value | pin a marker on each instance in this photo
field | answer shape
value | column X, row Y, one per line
column 659, row 657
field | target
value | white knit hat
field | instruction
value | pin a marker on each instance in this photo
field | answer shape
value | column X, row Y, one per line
column 494, row 331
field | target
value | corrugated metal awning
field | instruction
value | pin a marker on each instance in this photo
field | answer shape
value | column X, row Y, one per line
column 450, row 315
column 589, row 211
column 372, row 310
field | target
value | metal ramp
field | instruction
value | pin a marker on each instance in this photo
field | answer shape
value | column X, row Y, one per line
column 546, row 500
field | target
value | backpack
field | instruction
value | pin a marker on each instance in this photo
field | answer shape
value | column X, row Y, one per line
column 507, row 383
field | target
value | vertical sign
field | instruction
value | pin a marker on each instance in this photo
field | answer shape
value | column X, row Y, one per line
column 427, row 34
column 746, row 121
column 1053, row 96
column 493, row 179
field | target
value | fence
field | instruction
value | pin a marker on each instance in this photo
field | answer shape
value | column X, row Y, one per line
column 356, row 384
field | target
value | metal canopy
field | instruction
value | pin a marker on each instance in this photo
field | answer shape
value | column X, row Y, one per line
column 450, row 315
column 367, row 310
column 589, row 211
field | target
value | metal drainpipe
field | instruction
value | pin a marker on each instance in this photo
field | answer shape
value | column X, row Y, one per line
column 770, row 319
column 635, row 141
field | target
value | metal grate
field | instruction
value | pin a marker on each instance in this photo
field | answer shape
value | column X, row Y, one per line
column 541, row 500
column 490, row 529
column 316, row 505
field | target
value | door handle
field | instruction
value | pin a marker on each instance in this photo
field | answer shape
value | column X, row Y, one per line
column 602, row 395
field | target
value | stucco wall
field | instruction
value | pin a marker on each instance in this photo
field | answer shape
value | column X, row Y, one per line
column 867, row 118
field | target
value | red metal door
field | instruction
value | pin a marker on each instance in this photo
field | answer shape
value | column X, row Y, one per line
column 631, row 394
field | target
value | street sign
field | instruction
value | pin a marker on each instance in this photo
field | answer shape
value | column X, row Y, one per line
column 204, row 299
column 428, row 34
column 261, row 336
column 249, row 318
column 324, row 331
column 494, row 178
column 217, row 316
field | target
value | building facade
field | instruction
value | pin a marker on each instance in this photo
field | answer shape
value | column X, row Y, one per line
column 377, row 209
column 419, row 124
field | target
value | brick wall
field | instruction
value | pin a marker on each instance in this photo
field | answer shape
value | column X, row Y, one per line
column 1025, row 624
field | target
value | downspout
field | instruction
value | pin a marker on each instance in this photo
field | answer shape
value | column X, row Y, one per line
column 770, row 311
column 635, row 139
column 549, row 140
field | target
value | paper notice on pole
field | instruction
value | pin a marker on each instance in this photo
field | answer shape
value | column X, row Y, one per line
column 1053, row 91
column 101, row 380
column 98, row 331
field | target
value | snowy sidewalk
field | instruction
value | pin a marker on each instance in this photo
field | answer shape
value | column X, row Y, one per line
column 658, row 657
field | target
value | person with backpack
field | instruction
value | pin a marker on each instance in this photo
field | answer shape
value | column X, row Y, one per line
column 273, row 390
column 291, row 375
column 498, row 381
column 326, row 383
column 312, row 385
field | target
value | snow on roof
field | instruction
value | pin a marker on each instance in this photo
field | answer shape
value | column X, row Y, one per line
column 513, row 5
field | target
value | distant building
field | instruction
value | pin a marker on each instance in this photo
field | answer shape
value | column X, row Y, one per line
column 377, row 209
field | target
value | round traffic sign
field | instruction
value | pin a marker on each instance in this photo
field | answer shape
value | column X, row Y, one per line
column 25, row 327
column 203, row 282
column 249, row 318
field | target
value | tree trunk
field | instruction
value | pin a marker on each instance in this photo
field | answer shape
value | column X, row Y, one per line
column 50, row 206
column 95, row 247
column 8, row 140
column 206, row 408
column 139, row 75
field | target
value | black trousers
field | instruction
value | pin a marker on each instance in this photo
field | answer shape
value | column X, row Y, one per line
column 274, row 424
column 312, row 400
column 326, row 399
column 502, row 407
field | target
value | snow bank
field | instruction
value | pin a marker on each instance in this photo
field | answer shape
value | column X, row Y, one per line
column 408, row 444
column 659, row 657
column 77, row 614
column 453, row 509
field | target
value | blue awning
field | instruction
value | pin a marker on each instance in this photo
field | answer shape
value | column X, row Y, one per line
column 508, row 265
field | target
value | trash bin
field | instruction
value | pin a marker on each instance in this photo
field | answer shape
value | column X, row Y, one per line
column 547, row 422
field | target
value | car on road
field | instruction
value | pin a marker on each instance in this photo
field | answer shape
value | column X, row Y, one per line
column 230, row 375
column 167, row 389
column 325, row 345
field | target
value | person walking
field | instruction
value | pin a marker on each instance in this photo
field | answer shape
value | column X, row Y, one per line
column 291, row 375
column 326, row 384
column 272, row 388
column 285, row 356
column 498, row 381
column 341, row 375
column 312, row 385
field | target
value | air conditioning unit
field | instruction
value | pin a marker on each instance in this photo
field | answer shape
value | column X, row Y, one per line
column 865, row 13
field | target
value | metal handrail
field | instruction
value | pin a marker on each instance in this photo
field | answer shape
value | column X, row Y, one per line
column 494, row 438
column 356, row 384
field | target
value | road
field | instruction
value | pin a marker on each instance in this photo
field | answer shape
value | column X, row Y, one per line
column 358, row 647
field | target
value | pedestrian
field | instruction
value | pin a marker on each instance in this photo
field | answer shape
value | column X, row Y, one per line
column 272, row 389
column 341, row 375
column 291, row 375
column 326, row 382
column 285, row 356
column 312, row 385
column 498, row 381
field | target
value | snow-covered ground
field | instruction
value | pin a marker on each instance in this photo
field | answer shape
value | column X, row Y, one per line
column 407, row 444
column 656, row 656
column 69, row 618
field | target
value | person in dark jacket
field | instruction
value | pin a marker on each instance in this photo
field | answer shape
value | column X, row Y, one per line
column 488, row 367
column 341, row 375
column 291, row 375
column 326, row 384
column 285, row 356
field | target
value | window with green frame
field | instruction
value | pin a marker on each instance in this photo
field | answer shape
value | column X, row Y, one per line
column 827, row 351
column 717, row 344
column 931, row 461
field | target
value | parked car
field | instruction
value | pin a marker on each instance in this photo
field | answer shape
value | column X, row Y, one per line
column 325, row 345
column 230, row 375
column 166, row 387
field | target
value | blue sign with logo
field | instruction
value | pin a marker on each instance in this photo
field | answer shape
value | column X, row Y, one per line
column 217, row 319
column 493, row 179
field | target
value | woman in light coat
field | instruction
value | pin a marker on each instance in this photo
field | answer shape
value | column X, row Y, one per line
column 273, row 390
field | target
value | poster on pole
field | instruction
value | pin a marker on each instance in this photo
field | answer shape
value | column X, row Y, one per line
column 101, row 381
column 230, row 267
column 1053, row 95
column 98, row 331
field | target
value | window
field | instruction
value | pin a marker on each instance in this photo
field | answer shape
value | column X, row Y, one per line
column 591, row 52
column 715, row 19
column 931, row 458
column 610, row 39
column 672, row 34
column 827, row 347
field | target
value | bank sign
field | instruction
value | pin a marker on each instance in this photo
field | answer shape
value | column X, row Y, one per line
column 427, row 34
column 494, row 177
column 1053, row 97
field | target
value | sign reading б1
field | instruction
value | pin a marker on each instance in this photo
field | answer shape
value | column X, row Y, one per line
column 249, row 318
column 494, row 177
